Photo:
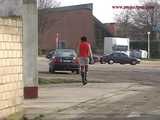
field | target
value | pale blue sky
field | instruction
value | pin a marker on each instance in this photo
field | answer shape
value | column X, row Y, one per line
column 102, row 9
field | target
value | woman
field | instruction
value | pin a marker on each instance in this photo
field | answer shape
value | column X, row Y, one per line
column 84, row 53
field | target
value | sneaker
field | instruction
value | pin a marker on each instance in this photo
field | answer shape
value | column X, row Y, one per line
column 85, row 82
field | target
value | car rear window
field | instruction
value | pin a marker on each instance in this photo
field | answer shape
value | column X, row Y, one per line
column 65, row 53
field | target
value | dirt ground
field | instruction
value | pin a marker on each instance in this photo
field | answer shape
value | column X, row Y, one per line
column 114, row 92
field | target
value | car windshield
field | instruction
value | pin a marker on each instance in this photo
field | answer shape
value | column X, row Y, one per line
column 51, row 52
column 124, row 55
column 65, row 53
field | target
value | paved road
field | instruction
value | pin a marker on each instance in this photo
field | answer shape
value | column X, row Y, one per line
column 114, row 92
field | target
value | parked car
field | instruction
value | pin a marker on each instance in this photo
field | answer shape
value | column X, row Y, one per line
column 50, row 54
column 94, row 60
column 119, row 57
column 64, row 60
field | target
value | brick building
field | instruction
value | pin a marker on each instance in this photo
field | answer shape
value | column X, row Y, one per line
column 69, row 24
column 112, row 28
column 11, row 73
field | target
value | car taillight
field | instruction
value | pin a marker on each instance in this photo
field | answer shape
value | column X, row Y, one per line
column 56, row 60
column 76, row 60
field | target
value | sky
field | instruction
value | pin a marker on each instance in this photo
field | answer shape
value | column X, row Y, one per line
column 102, row 9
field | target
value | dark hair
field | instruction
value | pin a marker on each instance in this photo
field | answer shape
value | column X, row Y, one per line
column 83, row 39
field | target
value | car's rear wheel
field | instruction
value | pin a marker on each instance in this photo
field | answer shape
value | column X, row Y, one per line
column 110, row 62
column 77, row 71
column 133, row 63
column 102, row 61
column 51, row 70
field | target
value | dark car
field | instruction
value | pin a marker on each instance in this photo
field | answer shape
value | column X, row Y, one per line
column 94, row 59
column 50, row 54
column 121, row 58
column 64, row 60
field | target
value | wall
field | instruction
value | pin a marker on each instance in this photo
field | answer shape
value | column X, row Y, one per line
column 70, row 25
column 10, row 7
column 11, row 84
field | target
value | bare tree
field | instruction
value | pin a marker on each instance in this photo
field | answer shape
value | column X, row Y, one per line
column 146, row 19
column 42, row 4
column 136, row 23
column 46, row 7
column 123, row 23
column 43, row 17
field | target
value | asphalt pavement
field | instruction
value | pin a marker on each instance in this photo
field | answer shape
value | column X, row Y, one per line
column 114, row 92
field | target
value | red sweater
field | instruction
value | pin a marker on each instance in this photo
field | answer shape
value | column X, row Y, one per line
column 84, row 49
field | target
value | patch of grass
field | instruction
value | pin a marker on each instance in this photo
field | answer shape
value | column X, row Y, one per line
column 151, row 59
column 39, row 117
column 43, row 81
column 16, row 116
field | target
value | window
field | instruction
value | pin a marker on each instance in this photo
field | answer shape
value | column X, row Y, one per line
column 123, row 55
column 116, row 54
column 119, row 48
column 65, row 53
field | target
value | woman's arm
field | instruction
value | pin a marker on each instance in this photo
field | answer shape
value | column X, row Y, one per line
column 90, row 51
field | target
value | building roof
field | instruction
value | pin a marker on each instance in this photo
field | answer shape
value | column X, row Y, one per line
column 88, row 6
column 102, row 26
column 69, row 8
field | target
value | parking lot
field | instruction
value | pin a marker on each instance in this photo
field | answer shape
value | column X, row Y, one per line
column 114, row 92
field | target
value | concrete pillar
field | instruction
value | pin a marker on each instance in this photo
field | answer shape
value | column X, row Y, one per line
column 30, row 48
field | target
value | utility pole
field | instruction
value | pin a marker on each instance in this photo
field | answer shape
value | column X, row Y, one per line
column 30, row 44
column 148, row 33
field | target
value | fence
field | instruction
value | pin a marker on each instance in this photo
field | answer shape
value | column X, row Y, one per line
column 154, row 46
